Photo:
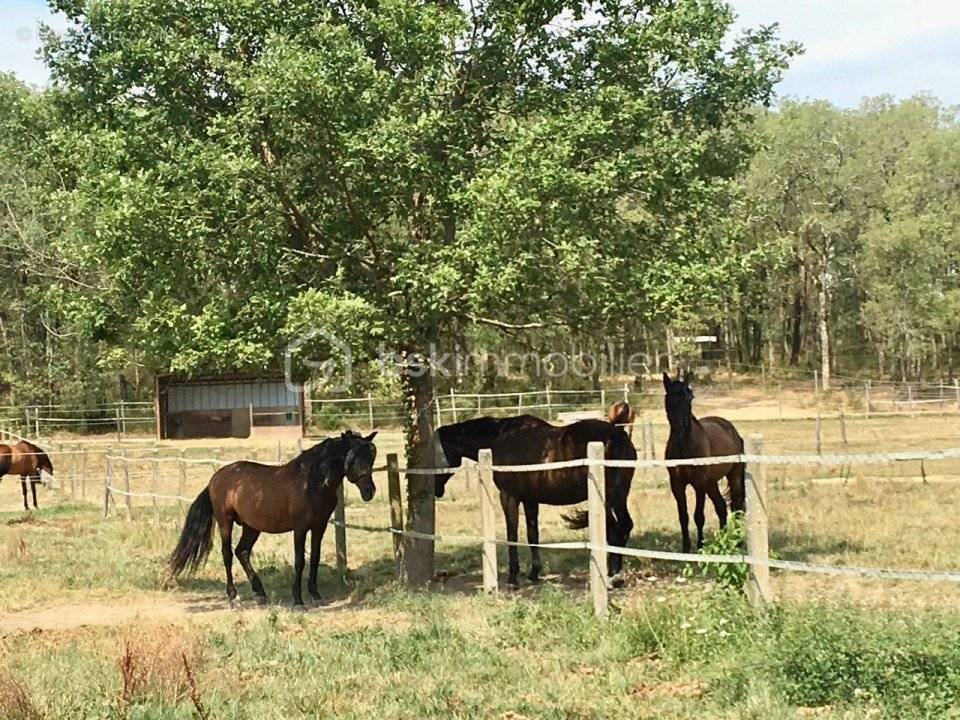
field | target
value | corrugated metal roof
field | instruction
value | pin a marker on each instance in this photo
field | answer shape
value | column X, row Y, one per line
column 230, row 395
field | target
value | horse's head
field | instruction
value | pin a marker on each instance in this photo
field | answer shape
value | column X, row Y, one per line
column 678, row 398
column 358, row 462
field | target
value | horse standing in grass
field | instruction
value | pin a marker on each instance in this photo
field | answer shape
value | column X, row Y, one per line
column 28, row 461
column 693, row 438
column 297, row 497
column 526, row 440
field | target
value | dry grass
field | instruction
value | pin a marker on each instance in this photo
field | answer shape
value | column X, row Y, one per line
column 157, row 663
column 15, row 703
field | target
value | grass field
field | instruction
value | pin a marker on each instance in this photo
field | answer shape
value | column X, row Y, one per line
column 90, row 629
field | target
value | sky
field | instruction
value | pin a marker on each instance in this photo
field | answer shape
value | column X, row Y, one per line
column 854, row 48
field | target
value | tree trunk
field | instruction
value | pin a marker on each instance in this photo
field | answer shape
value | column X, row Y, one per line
column 796, row 334
column 822, row 317
column 418, row 554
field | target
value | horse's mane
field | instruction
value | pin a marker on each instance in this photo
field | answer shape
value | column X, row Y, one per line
column 317, row 459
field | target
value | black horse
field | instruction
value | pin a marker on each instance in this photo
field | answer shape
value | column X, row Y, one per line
column 693, row 438
column 299, row 496
column 525, row 440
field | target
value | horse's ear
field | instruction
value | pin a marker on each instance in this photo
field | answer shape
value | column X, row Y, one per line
column 371, row 436
column 666, row 380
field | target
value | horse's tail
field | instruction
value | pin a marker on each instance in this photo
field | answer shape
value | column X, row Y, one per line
column 737, row 482
column 578, row 520
column 196, row 538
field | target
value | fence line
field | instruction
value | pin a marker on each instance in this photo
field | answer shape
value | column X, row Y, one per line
column 755, row 558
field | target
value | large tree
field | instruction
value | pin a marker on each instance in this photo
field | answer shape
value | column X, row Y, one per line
column 249, row 171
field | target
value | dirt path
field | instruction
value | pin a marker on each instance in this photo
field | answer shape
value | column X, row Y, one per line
column 155, row 609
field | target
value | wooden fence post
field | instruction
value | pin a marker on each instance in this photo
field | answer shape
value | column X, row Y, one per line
column 116, row 414
column 126, row 484
column 645, row 448
column 488, row 492
column 956, row 392
column 123, row 418
column 597, row 510
column 626, row 393
column 156, row 488
column 83, row 475
column 603, row 401
column 396, row 509
column 819, row 435
column 453, row 405
column 910, row 397
column 758, row 543
column 866, row 399
column 182, row 481
column 73, row 478
column 108, row 476
column 370, row 409
column 843, row 431
column 340, row 533
column 550, row 406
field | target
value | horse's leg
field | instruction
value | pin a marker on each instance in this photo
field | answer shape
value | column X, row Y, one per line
column 531, row 511
column 698, row 518
column 511, row 513
column 299, row 543
column 33, row 489
column 23, row 486
column 316, row 537
column 248, row 538
column 226, row 548
column 719, row 503
column 678, row 489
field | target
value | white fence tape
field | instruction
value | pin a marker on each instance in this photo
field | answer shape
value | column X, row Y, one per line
column 788, row 565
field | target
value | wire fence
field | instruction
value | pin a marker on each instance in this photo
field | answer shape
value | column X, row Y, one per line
column 854, row 397
column 122, row 479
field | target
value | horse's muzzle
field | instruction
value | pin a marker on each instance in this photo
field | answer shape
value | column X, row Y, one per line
column 367, row 488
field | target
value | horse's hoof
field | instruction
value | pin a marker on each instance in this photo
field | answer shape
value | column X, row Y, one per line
column 616, row 581
column 534, row 579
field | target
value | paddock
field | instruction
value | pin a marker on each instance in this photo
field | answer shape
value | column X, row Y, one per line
column 902, row 509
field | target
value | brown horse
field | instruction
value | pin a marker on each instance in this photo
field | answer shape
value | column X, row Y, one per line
column 527, row 440
column 28, row 461
column 299, row 496
column 693, row 438
column 623, row 415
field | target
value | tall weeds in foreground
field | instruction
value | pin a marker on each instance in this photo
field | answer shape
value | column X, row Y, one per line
column 15, row 702
column 158, row 667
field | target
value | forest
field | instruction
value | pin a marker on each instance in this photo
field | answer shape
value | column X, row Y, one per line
column 176, row 203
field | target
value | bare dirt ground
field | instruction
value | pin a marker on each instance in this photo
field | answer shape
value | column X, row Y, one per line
column 165, row 609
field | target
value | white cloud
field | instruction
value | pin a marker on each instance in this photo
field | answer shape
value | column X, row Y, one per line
column 855, row 48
